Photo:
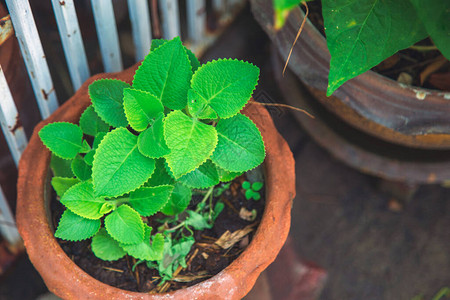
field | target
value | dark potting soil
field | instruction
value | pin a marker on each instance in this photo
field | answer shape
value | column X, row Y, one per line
column 427, row 69
column 204, row 260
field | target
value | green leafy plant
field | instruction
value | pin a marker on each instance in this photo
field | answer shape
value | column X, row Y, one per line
column 143, row 149
column 361, row 34
column 443, row 293
column 252, row 190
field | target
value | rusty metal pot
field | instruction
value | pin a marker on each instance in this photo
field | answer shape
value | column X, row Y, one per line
column 64, row 278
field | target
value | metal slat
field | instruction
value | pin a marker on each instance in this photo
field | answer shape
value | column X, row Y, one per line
column 108, row 38
column 72, row 42
column 170, row 18
column 9, row 119
column 196, row 20
column 8, row 227
column 31, row 47
column 219, row 5
column 142, row 30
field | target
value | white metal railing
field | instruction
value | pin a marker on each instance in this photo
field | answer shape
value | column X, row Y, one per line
column 72, row 42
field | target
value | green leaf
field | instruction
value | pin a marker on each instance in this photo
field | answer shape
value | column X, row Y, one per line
column 195, row 64
column 125, row 225
column 199, row 108
column 240, row 146
column 80, row 200
column 218, row 208
column 148, row 201
column 61, row 167
column 203, row 177
column 107, row 99
column 166, row 73
column 81, row 169
column 62, row 184
column 85, row 148
column 248, row 194
column 151, row 142
column 256, row 186
column 144, row 250
column 119, row 167
column 174, row 255
column 105, row 247
column 72, row 227
column 90, row 122
column 361, row 34
column 62, row 138
column 197, row 221
column 226, row 176
column 435, row 15
column 160, row 176
column 89, row 157
column 179, row 200
column 226, row 85
column 256, row 196
column 140, row 108
column 282, row 9
column 246, row 185
column 190, row 141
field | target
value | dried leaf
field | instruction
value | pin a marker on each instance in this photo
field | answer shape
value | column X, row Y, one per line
column 228, row 239
column 247, row 215
column 187, row 278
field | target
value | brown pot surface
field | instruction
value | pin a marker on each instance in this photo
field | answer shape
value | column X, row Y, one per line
column 400, row 114
column 65, row 279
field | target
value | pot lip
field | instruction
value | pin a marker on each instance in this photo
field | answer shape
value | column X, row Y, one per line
column 318, row 41
column 37, row 235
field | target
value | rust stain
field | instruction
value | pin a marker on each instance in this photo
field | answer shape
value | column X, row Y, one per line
column 6, row 29
column 45, row 94
column 62, row 3
column 431, row 178
column 17, row 125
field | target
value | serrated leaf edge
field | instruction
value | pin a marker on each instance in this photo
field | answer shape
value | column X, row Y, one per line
column 50, row 149
column 201, row 187
column 89, row 93
column 94, row 165
column 209, row 156
column 75, row 240
column 121, row 242
column 230, row 59
column 168, row 185
column 264, row 144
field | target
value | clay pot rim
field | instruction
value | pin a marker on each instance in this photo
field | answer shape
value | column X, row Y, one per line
column 60, row 273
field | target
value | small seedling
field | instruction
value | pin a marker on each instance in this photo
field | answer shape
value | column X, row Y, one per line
column 175, row 129
column 252, row 190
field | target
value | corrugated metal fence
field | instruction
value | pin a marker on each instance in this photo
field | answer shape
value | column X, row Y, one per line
column 72, row 42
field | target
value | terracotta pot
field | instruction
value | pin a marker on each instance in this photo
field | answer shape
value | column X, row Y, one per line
column 64, row 278
column 400, row 114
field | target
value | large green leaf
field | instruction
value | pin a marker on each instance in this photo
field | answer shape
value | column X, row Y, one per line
column 125, row 225
column 179, row 200
column 107, row 99
column 105, row 247
column 72, row 227
column 80, row 199
column 203, row 177
column 190, row 141
column 151, row 142
column 195, row 64
column 148, row 201
column 361, row 34
column 199, row 108
column 140, row 108
column 62, row 184
column 435, row 15
column 240, row 147
column 225, row 84
column 165, row 73
column 89, row 157
column 90, row 122
column 63, row 139
column 118, row 166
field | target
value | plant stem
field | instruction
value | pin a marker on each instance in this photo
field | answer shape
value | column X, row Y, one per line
column 211, row 189
column 423, row 48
